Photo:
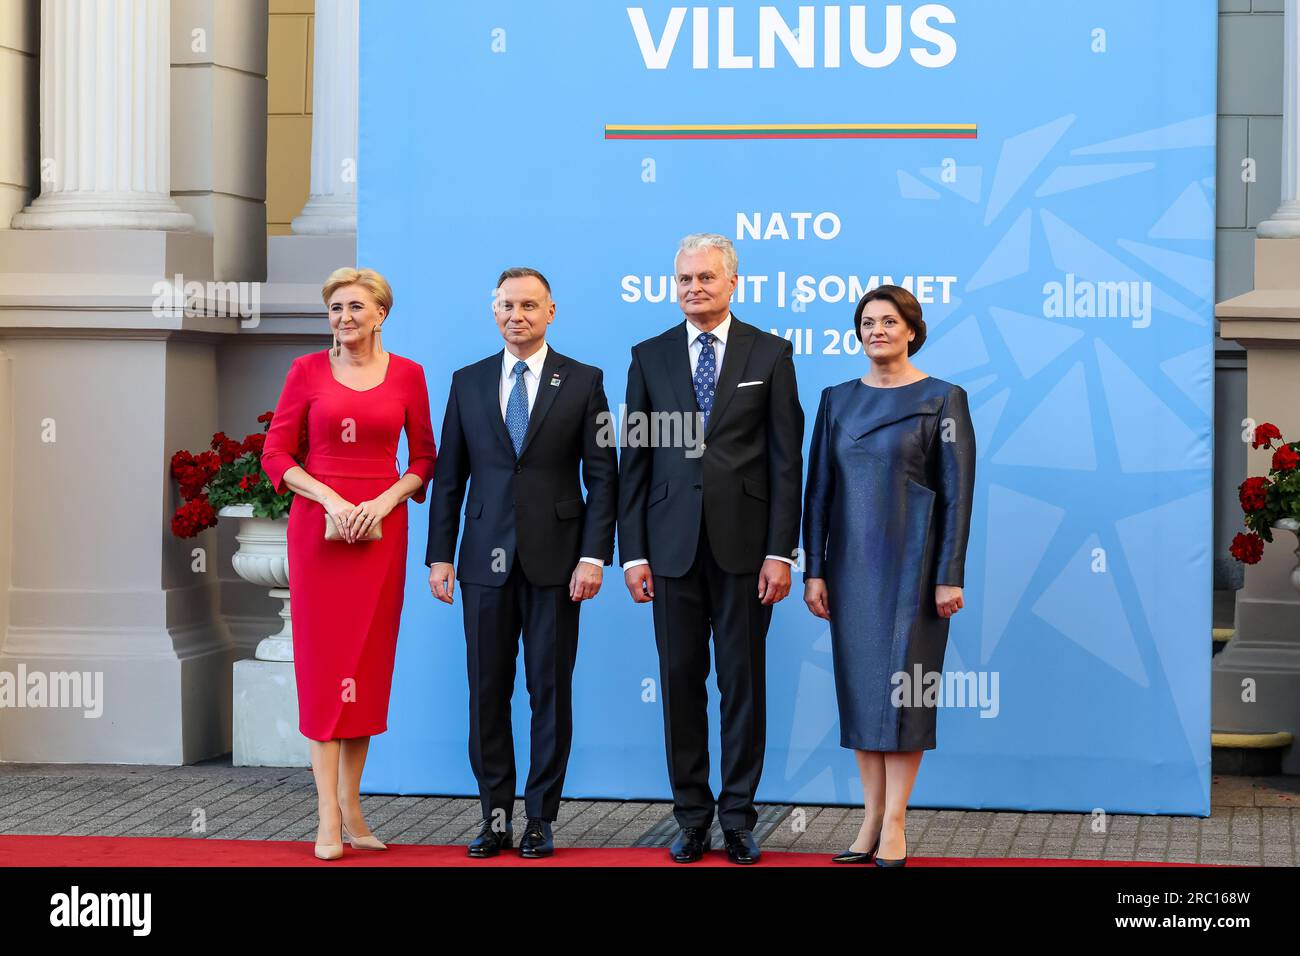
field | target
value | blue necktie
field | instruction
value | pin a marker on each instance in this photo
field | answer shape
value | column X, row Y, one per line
column 706, row 371
column 517, row 408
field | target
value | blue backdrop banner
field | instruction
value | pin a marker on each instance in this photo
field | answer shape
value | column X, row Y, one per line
column 1041, row 175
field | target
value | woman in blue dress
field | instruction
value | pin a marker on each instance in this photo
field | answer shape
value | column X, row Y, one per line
column 891, row 475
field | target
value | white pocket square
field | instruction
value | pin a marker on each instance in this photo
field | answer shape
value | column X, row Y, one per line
column 743, row 384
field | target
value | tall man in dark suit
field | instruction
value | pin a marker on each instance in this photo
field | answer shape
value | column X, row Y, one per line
column 708, row 533
column 518, row 426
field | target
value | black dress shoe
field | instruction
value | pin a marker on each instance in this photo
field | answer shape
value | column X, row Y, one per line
column 490, row 842
column 741, row 846
column 854, row 856
column 690, row 845
column 537, row 840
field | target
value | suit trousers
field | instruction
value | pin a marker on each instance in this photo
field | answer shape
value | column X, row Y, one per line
column 494, row 618
column 686, row 609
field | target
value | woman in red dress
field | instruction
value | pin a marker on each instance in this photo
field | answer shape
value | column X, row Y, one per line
column 333, row 441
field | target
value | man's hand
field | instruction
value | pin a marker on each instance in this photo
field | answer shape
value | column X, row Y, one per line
column 947, row 600
column 814, row 595
column 585, row 581
column 442, row 581
column 773, row 581
column 640, row 583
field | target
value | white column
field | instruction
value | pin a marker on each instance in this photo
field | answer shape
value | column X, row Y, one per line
column 1285, row 223
column 332, row 207
column 105, row 118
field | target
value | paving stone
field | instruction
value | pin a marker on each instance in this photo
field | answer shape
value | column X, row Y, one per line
column 1148, row 856
column 1254, row 821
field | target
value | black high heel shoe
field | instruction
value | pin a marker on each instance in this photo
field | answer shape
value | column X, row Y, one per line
column 881, row 861
column 853, row 856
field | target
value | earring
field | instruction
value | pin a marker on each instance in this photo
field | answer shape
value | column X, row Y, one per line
column 335, row 350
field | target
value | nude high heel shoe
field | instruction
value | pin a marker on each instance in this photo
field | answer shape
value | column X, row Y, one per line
column 368, row 842
column 330, row 851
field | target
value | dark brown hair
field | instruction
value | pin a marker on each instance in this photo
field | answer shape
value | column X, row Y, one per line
column 909, row 310
column 523, row 272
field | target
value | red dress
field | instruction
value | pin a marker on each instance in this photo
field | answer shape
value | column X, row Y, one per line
column 346, row 599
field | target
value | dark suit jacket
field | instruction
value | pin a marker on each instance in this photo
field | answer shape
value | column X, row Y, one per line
column 534, row 504
column 747, row 480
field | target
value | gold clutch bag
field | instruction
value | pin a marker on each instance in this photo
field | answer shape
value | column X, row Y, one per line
column 332, row 532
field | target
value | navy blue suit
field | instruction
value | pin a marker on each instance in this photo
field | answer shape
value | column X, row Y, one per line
column 706, row 518
column 526, row 526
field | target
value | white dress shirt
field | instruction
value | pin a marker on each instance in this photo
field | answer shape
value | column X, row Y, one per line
column 693, row 348
column 532, row 381
column 532, row 376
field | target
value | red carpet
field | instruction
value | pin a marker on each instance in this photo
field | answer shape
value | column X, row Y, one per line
column 181, row 851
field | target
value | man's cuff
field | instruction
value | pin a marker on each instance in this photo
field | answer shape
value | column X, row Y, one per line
column 596, row 561
column 777, row 557
column 633, row 564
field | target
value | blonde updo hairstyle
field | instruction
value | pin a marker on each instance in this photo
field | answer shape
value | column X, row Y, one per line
column 368, row 279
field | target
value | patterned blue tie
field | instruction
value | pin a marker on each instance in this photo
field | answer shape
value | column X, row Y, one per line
column 517, row 408
column 706, row 371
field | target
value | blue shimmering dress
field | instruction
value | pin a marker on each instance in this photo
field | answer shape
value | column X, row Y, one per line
column 891, row 476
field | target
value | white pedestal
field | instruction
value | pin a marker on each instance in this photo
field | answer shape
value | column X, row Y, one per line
column 1264, row 654
column 265, row 732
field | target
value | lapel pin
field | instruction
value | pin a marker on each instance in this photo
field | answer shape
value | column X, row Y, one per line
column 555, row 380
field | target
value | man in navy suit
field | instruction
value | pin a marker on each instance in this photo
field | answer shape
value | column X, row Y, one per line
column 708, row 530
column 519, row 426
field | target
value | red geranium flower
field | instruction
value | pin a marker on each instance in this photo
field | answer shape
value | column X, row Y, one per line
column 193, row 517
column 1285, row 458
column 192, row 473
column 225, row 473
column 1247, row 548
column 181, row 460
column 229, row 450
column 209, row 462
column 191, row 483
column 1253, row 493
column 1264, row 434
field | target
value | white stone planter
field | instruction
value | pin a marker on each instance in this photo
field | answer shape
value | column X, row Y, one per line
column 263, row 559
column 1290, row 524
column 264, row 729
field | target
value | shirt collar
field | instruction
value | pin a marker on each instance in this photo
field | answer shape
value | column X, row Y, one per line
column 535, row 361
column 720, row 333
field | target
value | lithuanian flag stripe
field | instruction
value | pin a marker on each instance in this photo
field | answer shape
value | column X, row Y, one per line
column 797, row 131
